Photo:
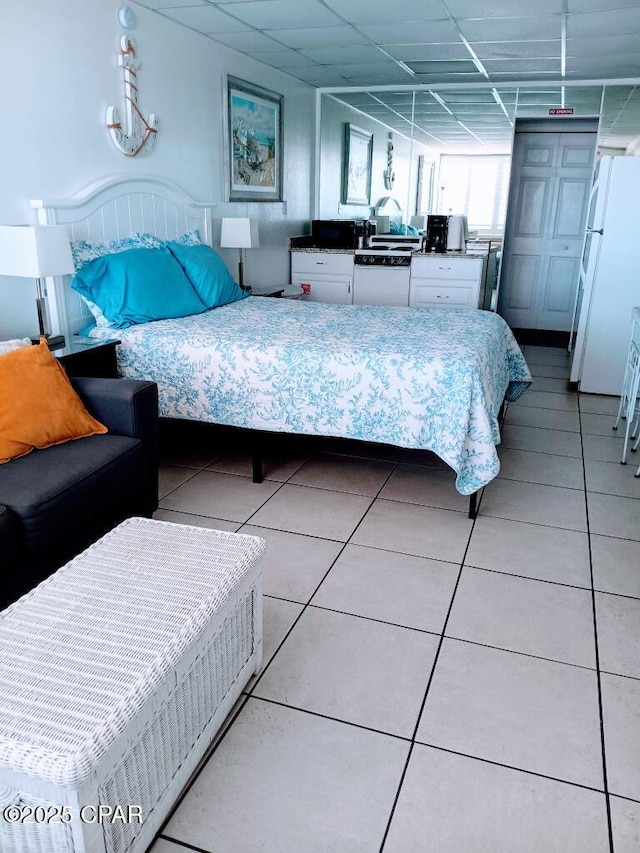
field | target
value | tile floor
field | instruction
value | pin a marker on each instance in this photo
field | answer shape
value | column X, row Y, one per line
column 430, row 683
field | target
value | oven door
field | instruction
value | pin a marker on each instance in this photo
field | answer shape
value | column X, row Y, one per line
column 381, row 285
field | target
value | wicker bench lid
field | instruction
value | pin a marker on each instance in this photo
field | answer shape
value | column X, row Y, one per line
column 81, row 653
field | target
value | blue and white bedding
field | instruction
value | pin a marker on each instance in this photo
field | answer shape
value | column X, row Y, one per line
column 426, row 378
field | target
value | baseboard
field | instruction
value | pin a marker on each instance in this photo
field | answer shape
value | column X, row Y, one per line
column 541, row 337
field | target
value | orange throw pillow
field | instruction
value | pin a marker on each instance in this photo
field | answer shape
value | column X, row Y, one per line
column 38, row 406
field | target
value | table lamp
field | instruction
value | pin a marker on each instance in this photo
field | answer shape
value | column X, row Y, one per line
column 239, row 233
column 36, row 251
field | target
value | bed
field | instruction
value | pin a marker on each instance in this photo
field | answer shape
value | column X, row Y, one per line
column 430, row 379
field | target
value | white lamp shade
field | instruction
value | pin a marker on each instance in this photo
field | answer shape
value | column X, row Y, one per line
column 35, row 251
column 239, row 233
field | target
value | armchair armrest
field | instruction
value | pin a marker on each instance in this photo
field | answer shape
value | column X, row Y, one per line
column 127, row 407
column 124, row 406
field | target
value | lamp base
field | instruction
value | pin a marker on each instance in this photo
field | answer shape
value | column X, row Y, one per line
column 53, row 341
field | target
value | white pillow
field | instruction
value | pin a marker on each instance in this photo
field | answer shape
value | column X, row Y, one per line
column 15, row 343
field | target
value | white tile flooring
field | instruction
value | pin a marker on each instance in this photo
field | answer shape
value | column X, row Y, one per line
column 430, row 683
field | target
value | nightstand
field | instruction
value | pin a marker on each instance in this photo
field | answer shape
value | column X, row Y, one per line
column 283, row 291
column 89, row 357
column 275, row 292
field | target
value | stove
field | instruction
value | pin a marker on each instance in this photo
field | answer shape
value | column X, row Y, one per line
column 381, row 275
column 383, row 256
column 405, row 242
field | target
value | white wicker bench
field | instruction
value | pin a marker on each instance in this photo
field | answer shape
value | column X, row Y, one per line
column 115, row 674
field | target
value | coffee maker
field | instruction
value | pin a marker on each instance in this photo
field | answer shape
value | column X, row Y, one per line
column 364, row 231
column 437, row 228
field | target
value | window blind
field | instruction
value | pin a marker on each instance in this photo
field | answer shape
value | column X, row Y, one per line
column 475, row 185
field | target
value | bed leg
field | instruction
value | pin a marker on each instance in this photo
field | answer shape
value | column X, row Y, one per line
column 256, row 464
column 473, row 505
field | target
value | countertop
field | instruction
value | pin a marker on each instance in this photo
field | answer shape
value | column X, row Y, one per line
column 416, row 254
column 315, row 249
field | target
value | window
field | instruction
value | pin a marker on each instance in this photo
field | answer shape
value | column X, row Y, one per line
column 475, row 185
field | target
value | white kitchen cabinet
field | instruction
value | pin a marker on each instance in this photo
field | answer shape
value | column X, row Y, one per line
column 447, row 282
column 329, row 275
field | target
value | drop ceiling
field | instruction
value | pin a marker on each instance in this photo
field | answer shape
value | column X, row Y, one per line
column 474, row 64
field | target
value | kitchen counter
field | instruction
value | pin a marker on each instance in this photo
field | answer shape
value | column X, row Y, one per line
column 416, row 254
column 317, row 249
column 448, row 254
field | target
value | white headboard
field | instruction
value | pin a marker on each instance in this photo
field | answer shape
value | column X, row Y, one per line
column 111, row 208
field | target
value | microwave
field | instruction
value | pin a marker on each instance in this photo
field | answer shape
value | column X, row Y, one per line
column 335, row 233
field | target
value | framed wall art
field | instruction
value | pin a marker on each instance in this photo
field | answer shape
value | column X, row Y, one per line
column 356, row 165
column 254, row 131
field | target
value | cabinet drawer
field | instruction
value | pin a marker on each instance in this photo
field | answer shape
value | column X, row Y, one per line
column 325, row 288
column 443, row 296
column 326, row 263
column 447, row 268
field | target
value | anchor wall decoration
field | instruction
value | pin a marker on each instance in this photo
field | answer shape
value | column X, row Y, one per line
column 139, row 134
column 389, row 174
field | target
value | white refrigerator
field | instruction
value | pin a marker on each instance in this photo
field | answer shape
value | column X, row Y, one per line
column 609, row 284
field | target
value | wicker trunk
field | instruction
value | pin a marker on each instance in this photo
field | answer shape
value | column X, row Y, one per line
column 115, row 674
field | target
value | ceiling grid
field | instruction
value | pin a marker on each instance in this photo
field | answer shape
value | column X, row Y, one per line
column 481, row 59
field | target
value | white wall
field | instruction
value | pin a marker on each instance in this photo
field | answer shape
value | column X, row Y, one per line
column 58, row 63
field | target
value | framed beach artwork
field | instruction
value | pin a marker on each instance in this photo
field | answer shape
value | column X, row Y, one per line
column 254, row 130
column 356, row 165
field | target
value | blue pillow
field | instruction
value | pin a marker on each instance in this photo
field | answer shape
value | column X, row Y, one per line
column 208, row 274
column 137, row 286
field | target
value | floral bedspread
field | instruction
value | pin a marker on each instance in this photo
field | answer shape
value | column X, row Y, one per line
column 426, row 378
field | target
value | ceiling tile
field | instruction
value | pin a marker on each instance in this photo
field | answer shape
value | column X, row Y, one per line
column 318, row 75
column 469, row 97
column 356, row 99
column 613, row 22
column 500, row 77
column 457, row 78
column 550, row 99
column 396, row 98
column 422, row 52
column 341, row 36
column 163, row 4
column 283, row 14
column 512, row 29
column 517, row 66
column 517, row 49
column 369, row 78
column 247, row 42
column 282, row 58
column 598, row 5
column 443, row 67
column 385, row 66
column 500, row 8
column 603, row 45
column 205, row 19
column 607, row 66
column 340, row 55
column 371, row 12
column 433, row 32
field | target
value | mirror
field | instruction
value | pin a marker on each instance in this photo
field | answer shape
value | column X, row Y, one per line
column 413, row 128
